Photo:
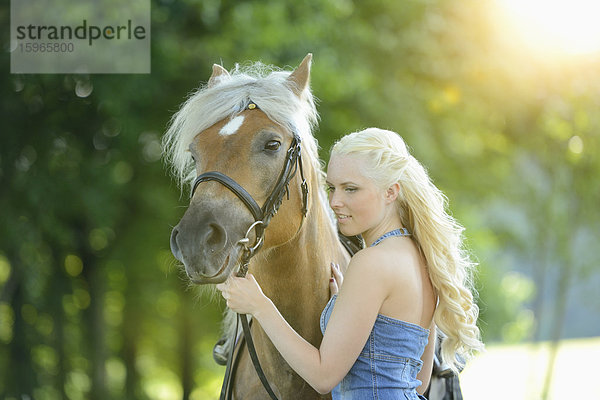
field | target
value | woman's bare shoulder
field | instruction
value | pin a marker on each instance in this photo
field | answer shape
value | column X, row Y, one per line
column 385, row 262
column 388, row 254
column 364, row 271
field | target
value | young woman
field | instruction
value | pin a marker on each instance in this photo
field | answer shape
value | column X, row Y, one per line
column 412, row 276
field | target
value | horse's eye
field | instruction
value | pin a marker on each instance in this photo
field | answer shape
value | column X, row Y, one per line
column 273, row 145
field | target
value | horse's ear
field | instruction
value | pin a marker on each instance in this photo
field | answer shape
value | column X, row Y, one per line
column 299, row 78
column 217, row 74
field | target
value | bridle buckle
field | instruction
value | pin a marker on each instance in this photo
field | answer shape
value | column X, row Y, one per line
column 257, row 242
column 249, row 251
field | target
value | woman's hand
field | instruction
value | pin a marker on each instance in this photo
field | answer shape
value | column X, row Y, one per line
column 243, row 295
column 336, row 280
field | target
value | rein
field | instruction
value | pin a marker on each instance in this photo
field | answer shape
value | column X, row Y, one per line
column 262, row 218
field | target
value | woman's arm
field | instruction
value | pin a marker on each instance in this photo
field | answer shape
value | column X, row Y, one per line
column 352, row 319
column 302, row 356
column 425, row 374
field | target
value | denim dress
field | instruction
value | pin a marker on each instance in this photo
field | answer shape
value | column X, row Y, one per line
column 388, row 365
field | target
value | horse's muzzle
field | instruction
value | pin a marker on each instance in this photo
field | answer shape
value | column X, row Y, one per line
column 203, row 250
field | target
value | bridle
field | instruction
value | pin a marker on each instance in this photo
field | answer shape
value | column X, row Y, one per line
column 262, row 218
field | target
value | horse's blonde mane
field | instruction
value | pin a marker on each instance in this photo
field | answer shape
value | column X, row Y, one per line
column 265, row 85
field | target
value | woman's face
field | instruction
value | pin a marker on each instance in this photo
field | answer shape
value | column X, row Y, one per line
column 355, row 199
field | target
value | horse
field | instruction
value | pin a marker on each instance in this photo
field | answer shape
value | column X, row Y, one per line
column 239, row 127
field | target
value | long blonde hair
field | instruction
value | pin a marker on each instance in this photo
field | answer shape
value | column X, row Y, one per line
column 422, row 209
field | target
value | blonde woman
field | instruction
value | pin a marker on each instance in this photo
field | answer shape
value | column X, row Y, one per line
column 413, row 275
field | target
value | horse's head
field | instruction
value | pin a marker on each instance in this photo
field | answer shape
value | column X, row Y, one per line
column 257, row 122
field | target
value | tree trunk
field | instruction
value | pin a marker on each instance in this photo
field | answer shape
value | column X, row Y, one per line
column 95, row 327
column 564, row 283
column 129, row 351
column 59, row 284
column 186, row 345
column 21, row 375
column 565, row 256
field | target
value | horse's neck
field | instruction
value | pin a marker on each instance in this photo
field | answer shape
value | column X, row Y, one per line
column 296, row 275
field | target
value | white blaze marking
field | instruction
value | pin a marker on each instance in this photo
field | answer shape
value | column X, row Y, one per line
column 232, row 126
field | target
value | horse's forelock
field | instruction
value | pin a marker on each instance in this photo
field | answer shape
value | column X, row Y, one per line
column 266, row 86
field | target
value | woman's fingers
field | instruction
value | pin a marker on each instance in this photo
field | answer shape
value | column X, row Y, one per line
column 224, row 289
column 335, row 282
column 333, row 287
column 242, row 294
column 337, row 273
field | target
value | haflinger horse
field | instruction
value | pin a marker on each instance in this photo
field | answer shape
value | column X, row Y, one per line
column 244, row 126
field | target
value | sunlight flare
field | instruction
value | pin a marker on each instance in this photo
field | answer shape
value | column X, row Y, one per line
column 568, row 26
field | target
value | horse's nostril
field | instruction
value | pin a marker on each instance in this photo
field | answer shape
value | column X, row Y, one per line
column 174, row 245
column 216, row 237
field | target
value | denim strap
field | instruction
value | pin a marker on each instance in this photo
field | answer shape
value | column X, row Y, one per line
column 395, row 232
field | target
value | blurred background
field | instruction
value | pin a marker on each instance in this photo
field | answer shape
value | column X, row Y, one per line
column 498, row 98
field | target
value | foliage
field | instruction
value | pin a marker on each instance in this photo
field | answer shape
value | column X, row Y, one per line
column 91, row 302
